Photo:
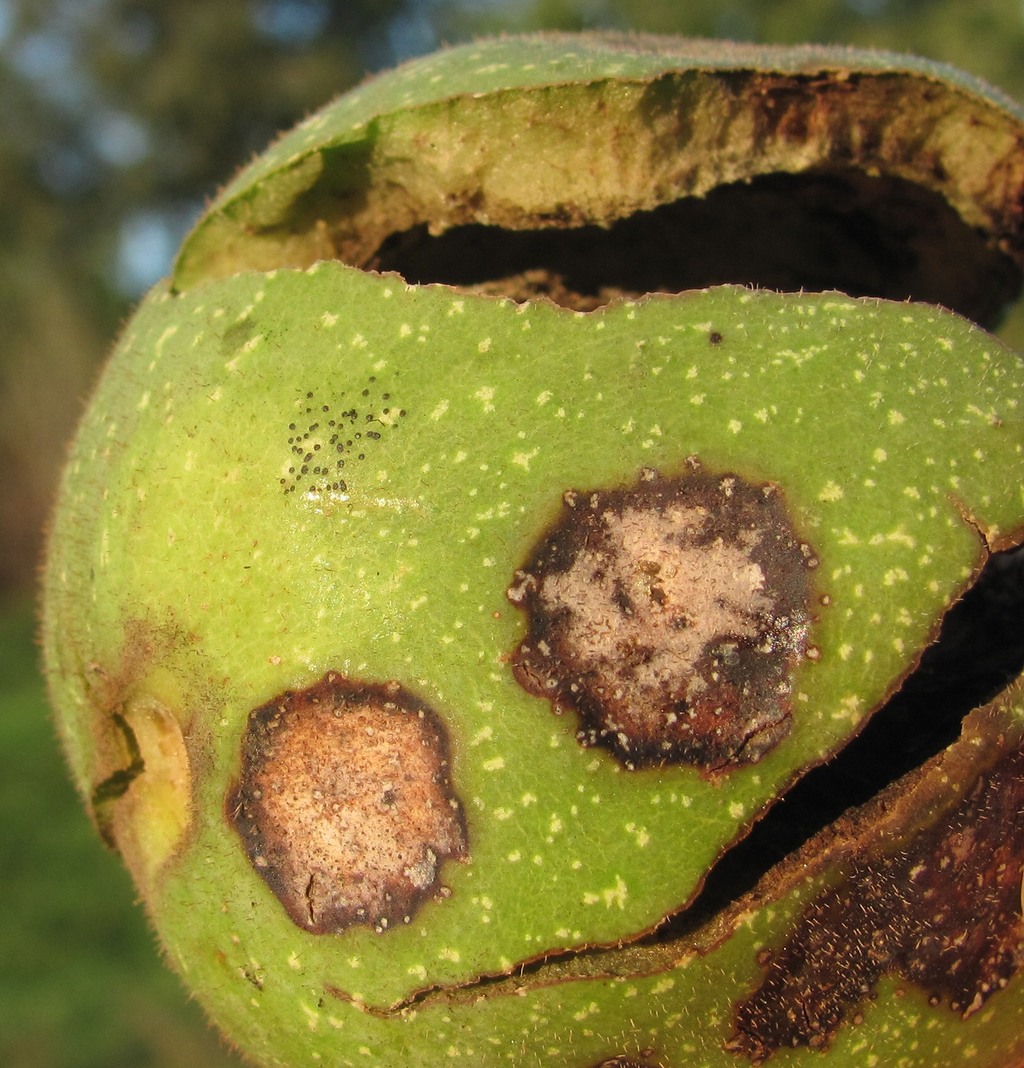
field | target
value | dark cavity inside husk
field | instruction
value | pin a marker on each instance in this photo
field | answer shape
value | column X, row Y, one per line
column 822, row 230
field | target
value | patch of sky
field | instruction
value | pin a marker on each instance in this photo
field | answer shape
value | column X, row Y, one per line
column 420, row 28
column 47, row 57
column 291, row 22
column 119, row 139
column 411, row 34
column 135, row 33
column 147, row 242
column 65, row 169
column 868, row 8
column 500, row 7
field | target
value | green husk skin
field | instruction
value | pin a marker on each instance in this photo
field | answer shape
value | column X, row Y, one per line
column 193, row 575
column 467, row 135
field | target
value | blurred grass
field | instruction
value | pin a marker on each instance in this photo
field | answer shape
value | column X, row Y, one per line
column 81, row 980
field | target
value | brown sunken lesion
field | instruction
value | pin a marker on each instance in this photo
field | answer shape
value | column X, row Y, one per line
column 942, row 911
column 670, row 615
column 345, row 803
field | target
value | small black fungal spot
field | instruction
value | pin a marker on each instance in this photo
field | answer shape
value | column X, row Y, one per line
column 319, row 436
column 715, row 337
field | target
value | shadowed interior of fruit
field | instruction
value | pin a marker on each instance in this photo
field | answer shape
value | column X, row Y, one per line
column 839, row 179
column 823, row 230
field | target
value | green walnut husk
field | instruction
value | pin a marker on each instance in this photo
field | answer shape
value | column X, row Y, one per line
column 335, row 542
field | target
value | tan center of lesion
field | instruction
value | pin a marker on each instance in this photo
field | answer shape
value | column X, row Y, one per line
column 655, row 599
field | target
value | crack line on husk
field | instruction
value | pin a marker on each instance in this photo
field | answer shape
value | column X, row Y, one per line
column 851, row 778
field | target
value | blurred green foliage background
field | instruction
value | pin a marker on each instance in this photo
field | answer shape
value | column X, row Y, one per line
column 119, row 119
